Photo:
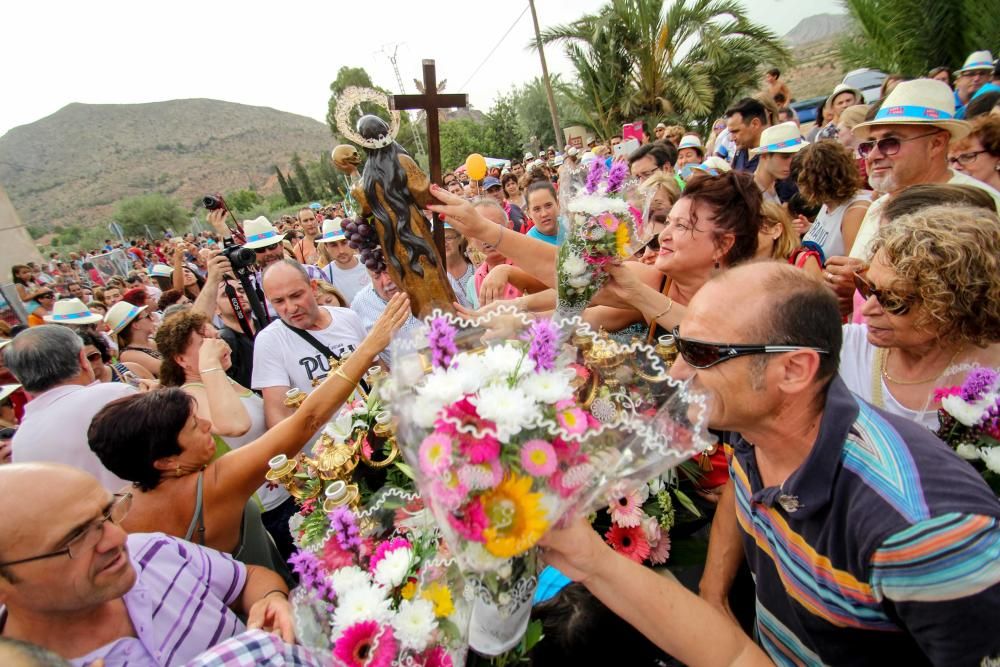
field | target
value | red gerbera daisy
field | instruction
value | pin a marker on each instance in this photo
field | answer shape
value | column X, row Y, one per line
column 630, row 542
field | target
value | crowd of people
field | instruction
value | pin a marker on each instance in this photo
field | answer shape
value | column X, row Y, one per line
column 854, row 266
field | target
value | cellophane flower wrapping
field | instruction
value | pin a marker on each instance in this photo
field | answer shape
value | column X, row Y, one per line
column 969, row 421
column 513, row 424
column 378, row 587
column 603, row 214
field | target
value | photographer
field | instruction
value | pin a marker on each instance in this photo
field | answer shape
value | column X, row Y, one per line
column 224, row 317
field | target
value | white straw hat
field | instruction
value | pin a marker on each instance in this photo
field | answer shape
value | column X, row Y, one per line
column 844, row 88
column 120, row 314
column 8, row 389
column 977, row 61
column 161, row 270
column 780, row 138
column 691, row 141
column 71, row 311
column 332, row 231
column 260, row 233
column 918, row 102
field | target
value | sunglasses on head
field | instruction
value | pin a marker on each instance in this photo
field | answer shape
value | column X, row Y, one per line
column 890, row 302
column 700, row 354
column 888, row 146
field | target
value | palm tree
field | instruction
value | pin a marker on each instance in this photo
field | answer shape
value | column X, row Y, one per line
column 912, row 36
column 684, row 62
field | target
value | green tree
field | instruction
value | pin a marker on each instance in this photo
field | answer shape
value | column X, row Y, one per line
column 155, row 211
column 645, row 59
column 331, row 179
column 533, row 110
column 243, row 200
column 459, row 138
column 302, row 179
column 503, row 132
column 286, row 189
column 912, row 36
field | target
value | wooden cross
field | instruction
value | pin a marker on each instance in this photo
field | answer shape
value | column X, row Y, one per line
column 430, row 102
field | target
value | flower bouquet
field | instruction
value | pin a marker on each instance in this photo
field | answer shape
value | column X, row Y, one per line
column 603, row 217
column 508, row 435
column 377, row 587
column 969, row 419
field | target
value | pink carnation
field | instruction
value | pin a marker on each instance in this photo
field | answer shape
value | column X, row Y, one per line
column 385, row 548
column 480, row 450
column 470, row 521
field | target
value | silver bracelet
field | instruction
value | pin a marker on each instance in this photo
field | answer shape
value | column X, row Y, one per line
column 209, row 370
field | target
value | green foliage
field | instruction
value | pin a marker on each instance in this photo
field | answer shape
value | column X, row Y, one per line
column 156, row 211
column 533, row 111
column 503, row 131
column 286, row 189
column 243, row 200
column 680, row 63
column 36, row 231
column 459, row 138
column 905, row 36
column 302, row 179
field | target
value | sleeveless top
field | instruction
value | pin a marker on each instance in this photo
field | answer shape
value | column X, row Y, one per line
column 255, row 546
column 119, row 372
column 826, row 230
column 269, row 496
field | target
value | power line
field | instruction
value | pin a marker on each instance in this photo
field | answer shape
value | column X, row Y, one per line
column 493, row 50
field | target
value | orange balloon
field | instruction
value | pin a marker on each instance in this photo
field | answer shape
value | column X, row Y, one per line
column 475, row 167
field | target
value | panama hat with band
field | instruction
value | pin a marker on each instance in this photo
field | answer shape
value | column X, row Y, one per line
column 780, row 138
column 332, row 231
column 691, row 141
column 977, row 62
column 161, row 271
column 918, row 102
column 260, row 233
column 121, row 315
column 842, row 88
column 71, row 311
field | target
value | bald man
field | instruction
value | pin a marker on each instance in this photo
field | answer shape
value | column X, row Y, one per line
column 73, row 582
column 294, row 350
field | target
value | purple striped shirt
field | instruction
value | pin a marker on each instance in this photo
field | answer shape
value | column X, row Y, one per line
column 179, row 604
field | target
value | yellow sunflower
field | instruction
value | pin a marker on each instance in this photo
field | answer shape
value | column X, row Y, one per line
column 621, row 239
column 516, row 517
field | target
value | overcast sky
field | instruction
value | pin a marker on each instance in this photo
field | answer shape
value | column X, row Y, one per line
column 280, row 54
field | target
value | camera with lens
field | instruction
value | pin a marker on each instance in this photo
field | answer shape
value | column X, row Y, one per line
column 214, row 202
column 239, row 257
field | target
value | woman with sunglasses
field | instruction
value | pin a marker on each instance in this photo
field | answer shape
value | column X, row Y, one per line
column 978, row 155
column 134, row 327
column 45, row 299
column 105, row 368
column 665, row 193
column 932, row 309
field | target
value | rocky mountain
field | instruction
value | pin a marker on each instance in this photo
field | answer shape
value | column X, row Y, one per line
column 71, row 168
column 816, row 66
column 817, row 28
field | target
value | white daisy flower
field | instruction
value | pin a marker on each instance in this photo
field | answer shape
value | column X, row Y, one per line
column 548, row 387
column 392, row 569
column 414, row 623
column 365, row 603
column 348, row 578
column 573, row 265
column 991, row 457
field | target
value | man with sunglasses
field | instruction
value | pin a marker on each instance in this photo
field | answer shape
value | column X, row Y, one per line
column 73, row 582
column 870, row 542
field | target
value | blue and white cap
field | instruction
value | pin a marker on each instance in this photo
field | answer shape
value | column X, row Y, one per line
column 332, row 231
column 781, row 138
column 260, row 233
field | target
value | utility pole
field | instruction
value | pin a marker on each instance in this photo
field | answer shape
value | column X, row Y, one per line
column 402, row 91
column 545, row 78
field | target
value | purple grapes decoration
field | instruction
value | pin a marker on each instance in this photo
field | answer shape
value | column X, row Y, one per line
column 361, row 236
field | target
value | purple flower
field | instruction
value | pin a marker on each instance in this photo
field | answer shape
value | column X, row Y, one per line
column 442, row 342
column 306, row 564
column 345, row 528
column 595, row 175
column 544, row 344
column 617, row 176
column 977, row 383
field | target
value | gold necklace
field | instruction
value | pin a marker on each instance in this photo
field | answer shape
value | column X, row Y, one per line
column 889, row 378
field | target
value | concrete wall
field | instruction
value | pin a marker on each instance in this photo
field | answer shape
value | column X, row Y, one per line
column 16, row 246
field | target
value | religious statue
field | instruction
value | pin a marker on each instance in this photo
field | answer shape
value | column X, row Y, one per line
column 391, row 196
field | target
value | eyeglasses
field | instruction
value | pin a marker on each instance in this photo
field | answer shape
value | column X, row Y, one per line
column 89, row 535
column 965, row 158
column 266, row 248
column 654, row 243
column 888, row 146
column 700, row 354
column 46, row 296
column 890, row 302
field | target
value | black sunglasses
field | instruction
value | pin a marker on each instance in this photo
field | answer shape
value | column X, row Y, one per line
column 700, row 354
column 888, row 146
column 889, row 301
column 266, row 248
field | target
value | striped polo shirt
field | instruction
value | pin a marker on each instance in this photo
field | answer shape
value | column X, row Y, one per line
column 179, row 604
column 883, row 548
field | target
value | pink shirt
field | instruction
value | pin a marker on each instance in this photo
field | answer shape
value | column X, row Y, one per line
column 509, row 292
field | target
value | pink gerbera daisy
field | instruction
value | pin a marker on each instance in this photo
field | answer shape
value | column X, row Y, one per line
column 436, row 656
column 435, row 453
column 660, row 552
column 366, row 644
column 574, row 421
column 470, row 521
column 625, row 508
column 448, row 490
column 538, row 458
column 629, row 542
